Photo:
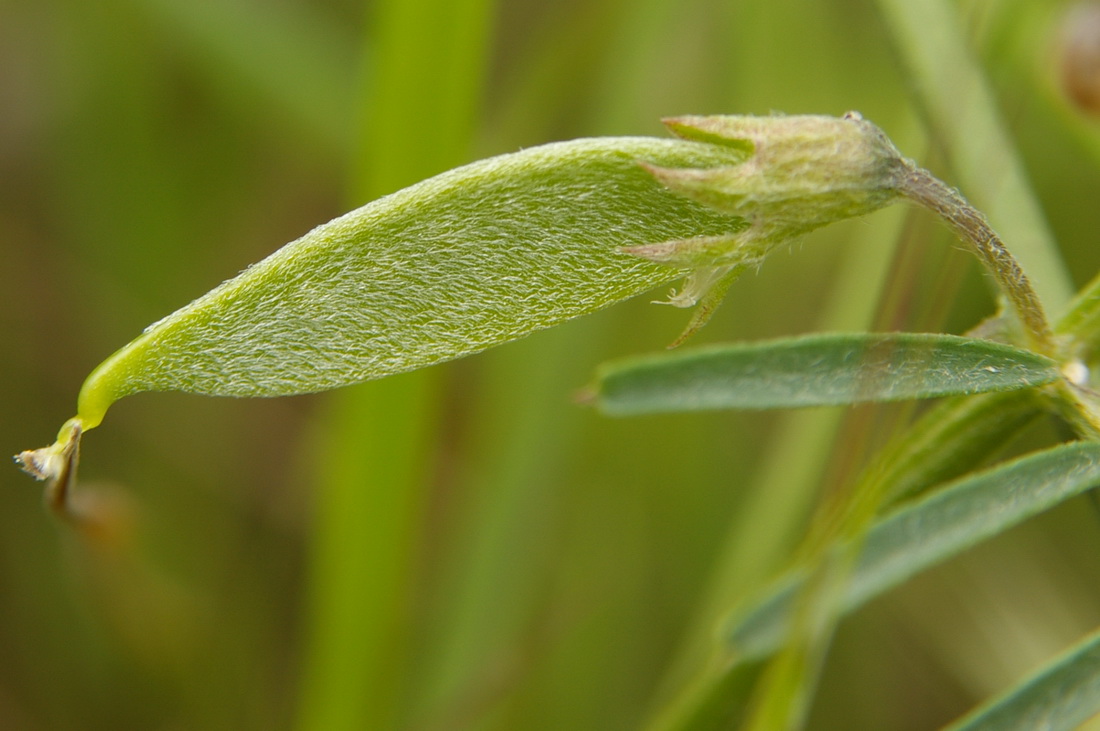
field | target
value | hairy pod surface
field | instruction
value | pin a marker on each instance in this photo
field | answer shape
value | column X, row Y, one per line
column 471, row 258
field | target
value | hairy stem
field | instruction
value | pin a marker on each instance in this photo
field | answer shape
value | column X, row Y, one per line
column 971, row 226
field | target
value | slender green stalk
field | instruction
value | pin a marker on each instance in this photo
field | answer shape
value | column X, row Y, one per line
column 971, row 226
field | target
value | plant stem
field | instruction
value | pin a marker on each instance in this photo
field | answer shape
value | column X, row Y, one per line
column 962, row 116
column 971, row 226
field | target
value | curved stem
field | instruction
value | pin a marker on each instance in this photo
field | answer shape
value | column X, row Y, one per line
column 971, row 226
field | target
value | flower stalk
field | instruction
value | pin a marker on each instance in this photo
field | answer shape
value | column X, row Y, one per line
column 923, row 188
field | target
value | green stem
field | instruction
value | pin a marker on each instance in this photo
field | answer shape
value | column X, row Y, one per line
column 962, row 114
column 972, row 227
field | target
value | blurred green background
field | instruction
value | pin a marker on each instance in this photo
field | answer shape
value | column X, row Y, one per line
column 467, row 547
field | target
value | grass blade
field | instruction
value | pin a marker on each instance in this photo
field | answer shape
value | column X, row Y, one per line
column 1062, row 695
column 817, row 370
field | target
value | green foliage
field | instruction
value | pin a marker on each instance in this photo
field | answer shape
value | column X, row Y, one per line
column 817, row 370
column 482, row 553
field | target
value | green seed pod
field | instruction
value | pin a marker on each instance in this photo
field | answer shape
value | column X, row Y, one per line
column 498, row 249
column 471, row 258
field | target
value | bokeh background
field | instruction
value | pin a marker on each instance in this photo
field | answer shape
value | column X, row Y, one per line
column 467, row 547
